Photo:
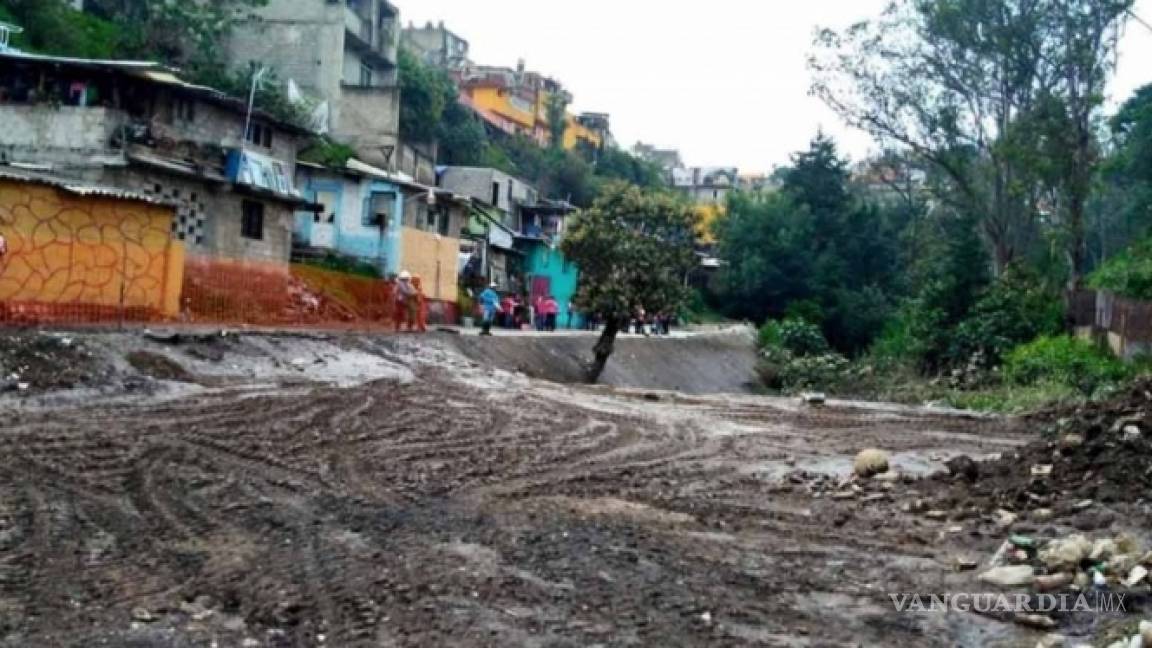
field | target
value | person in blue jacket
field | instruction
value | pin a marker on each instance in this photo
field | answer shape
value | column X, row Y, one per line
column 490, row 305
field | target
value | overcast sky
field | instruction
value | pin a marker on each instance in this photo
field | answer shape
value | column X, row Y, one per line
column 724, row 81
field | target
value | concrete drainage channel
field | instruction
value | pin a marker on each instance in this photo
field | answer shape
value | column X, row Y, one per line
column 278, row 490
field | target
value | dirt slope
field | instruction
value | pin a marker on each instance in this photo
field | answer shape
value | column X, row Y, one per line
column 722, row 362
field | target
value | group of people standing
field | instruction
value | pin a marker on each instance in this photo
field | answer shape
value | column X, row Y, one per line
column 512, row 312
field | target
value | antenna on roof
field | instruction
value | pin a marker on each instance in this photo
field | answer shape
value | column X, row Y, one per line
column 7, row 30
column 257, row 76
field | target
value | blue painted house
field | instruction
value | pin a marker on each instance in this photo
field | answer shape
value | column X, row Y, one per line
column 359, row 215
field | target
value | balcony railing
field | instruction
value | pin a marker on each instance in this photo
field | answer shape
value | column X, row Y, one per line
column 358, row 26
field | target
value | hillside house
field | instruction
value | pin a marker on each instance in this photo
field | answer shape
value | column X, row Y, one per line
column 137, row 127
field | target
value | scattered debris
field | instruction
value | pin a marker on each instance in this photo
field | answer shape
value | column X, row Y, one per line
column 1010, row 576
column 1071, row 441
column 1052, row 641
column 142, row 615
column 1136, row 576
column 1053, row 582
column 1038, row 621
column 963, row 467
column 1067, row 553
column 813, row 398
column 1006, row 518
column 967, row 564
column 1042, row 470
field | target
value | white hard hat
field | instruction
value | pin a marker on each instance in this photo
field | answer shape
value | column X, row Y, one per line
column 405, row 275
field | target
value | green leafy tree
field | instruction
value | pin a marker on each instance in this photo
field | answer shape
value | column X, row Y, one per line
column 424, row 96
column 949, row 80
column 615, row 164
column 1125, row 202
column 462, row 139
column 1016, row 309
column 634, row 249
column 1128, row 273
column 812, row 243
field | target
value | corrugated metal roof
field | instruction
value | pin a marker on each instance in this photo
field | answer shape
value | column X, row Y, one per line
column 95, row 63
column 159, row 74
column 81, row 189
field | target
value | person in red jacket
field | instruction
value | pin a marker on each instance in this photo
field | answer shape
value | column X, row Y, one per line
column 550, row 309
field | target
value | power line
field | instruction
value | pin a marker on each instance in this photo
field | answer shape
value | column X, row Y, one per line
column 1140, row 20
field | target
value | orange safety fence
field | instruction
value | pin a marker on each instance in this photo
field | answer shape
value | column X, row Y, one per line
column 240, row 293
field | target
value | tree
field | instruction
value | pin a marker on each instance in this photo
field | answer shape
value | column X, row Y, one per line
column 634, row 250
column 615, row 164
column 424, row 95
column 462, row 139
column 556, row 110
column 1124, row 204
column 1084, row 36
column 951, row 80
column 812, row 242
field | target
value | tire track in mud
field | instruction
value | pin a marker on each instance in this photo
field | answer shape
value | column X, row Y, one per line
column 576, row 519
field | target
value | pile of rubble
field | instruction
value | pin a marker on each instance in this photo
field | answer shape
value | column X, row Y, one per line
column 1063, row 499
column 1090, row 458
column 1074, row 565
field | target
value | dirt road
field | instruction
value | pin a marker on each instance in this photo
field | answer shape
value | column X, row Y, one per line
column 455, row 505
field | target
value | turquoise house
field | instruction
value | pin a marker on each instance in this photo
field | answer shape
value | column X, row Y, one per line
column 546, row 270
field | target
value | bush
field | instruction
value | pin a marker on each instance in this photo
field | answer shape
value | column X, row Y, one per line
column 1128, row 274
column 1013, row 311
column 1063, row 360
column 769, row 335
column 802, row 338
column 783, row 370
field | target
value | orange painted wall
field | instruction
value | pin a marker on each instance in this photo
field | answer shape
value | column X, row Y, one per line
column 433, row 258
column 70, row 250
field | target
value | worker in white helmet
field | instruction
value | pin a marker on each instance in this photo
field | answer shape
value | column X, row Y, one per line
column 408, row 302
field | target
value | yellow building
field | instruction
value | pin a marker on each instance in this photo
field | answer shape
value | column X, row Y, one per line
column 86, row 252
column 516, row 102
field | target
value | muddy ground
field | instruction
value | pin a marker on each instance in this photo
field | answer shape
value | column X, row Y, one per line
column 314, row 491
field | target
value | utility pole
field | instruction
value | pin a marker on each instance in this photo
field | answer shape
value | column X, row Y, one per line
column 252, row 103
